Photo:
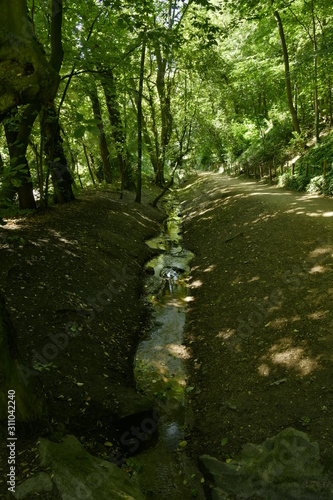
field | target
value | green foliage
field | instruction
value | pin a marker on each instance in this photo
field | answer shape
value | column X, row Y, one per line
column 271, row 144
column 214, row 85
column 294, row 182
column 313, row 158
column 318, row 153
column 321, row 185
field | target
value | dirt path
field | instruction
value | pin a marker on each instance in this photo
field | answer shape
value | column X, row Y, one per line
column 259, row 324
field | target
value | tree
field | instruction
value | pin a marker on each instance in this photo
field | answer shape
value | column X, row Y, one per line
column 287, row 71
column 26, row 77
column 25, row 74
column 105, row 155
column 118, row 131
column 57, row 161
column 142, row 69
column 24, row 45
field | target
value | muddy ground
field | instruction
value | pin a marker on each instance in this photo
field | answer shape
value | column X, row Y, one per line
column 259, row 322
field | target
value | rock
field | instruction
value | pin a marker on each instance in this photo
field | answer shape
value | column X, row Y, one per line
column 286, row 466
column 37, row 484
column 77, row 474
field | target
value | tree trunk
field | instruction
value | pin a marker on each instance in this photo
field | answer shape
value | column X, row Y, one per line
column 102, row 138
column 164, row 92
column 155, row 151
column 151, row 147
column 315, row 73
column 17, row 140
column 88, row 163
column 61, row 177
column 159, row 177
column 53, row 144
column 118, row 132
column 330, row 101
column 97, row 172
column 142, row 67
column 287, row 73
column 14, row 376
column 25, row 75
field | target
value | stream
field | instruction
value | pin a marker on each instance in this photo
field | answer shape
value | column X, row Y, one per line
column 164, row 470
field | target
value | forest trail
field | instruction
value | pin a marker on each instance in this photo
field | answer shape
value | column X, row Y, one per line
column 259, row 321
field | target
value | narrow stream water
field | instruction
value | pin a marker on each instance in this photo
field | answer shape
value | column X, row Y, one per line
column 159, row 366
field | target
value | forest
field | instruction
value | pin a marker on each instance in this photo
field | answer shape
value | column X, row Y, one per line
column 176, row 156
column 106, row 92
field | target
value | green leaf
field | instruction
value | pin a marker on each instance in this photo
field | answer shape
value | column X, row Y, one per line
column 16, row 182
column 189, row 389
column 224, row 441
column 79, row 132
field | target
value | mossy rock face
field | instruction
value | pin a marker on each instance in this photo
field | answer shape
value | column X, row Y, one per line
column 77, row 474
column 286, row 466
column 39, row 483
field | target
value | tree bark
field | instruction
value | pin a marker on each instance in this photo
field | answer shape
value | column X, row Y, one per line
column 117, row 128
column 103, row 147
column 164, row 92
column 17, row 140
column 88, row 163
column 25, row 74
column 287, row 73
column 330, row 101
column 60, row 173
column 142, row 67
column 315, row 73
column 53, row 144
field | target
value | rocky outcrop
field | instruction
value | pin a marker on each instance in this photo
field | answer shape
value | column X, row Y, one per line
column 286, row 466
column 77, row 474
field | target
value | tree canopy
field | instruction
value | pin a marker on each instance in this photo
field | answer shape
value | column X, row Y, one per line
column 219, row 84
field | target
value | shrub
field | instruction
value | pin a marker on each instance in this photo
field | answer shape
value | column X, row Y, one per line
column 294, row 182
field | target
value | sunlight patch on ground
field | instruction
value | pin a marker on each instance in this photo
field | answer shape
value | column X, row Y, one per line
column 196, row 284
column 178, row 350
column 264, row 217
column 285, row 355
column 255, row 278
column 210, row 268
column 12, row 225
column 318, row 315
column 61, row 238
column 264, row 370
column 226, row 334
column 317, row 269
column 320, row 251
column 260, row 193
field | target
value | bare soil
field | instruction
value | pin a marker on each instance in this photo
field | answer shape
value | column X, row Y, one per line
column 259, row 322
column 72, row 278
